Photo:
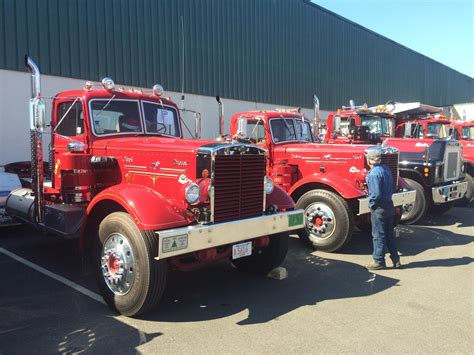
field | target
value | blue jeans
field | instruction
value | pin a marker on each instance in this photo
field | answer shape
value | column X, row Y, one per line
column 382, row 235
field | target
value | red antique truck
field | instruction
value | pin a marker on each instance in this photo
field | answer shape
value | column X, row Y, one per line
column 464, row 132
column 327, row 181
column 417, row 120
column 142, row 199
column 433, row 167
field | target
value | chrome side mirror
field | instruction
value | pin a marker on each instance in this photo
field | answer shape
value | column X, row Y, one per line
column 242, row 127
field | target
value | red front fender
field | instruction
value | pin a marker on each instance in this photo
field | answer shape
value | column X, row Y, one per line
column 280, row 198
column 343, row 186
column 149, row 209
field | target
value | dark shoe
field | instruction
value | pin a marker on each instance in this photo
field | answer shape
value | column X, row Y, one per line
column 375, row 266
column 397, row 265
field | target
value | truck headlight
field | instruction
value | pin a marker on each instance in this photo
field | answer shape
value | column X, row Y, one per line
column 192, row 193
column 268, row 185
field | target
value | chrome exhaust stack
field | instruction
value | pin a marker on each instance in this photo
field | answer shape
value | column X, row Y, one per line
column 197, row 125
column 221, row 118
column 317, row 118
column 37, row 124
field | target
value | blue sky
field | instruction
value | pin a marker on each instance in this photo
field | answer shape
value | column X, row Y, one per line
column 440, row 29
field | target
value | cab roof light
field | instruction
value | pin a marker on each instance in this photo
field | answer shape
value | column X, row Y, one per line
column 158, row 90
column 108, row 84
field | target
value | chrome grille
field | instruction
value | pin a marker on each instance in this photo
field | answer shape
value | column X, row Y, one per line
column 391, row 161
column 238, row 186
column 451, row 172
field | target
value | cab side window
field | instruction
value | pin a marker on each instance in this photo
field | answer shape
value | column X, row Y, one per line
column 70, row 119
column 256, row 131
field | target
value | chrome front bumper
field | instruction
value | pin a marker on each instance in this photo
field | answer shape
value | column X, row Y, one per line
column 185, row 240
column 398, row 198
column 447, row 193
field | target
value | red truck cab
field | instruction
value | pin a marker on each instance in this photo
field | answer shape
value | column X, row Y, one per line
column 326, row 180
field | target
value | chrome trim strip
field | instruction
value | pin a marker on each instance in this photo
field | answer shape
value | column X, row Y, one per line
column 399, row 198
column 451, row 192
column 172, row 169
column 153, row 174
column 134, row 167
column 200, row 237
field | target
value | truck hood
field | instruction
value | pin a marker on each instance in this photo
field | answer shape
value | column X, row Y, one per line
column 409, row 145
column 152, row 144
column 317, row 149
column 339, row 155
column 160, row 155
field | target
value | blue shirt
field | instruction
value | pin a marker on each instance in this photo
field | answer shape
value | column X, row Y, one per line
column 380, row 183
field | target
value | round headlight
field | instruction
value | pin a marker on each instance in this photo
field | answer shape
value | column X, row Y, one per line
column 192, row 193
column 268, row 185
column 108, row 83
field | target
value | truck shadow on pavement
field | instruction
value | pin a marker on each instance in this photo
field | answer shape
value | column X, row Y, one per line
column 222, row 291
column 462, row 216
column 39, row 315
column 416, row 239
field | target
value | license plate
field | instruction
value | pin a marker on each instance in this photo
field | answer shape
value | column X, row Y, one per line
column 242, row 249
column 174, row 243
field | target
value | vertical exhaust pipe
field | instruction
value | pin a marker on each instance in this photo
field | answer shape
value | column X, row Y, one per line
column 352, row 104
column 37, row 122
column 197, row 128
column 221, row 117
column 317, row 118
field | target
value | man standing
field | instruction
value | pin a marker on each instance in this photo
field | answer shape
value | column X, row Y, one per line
column 380, row 183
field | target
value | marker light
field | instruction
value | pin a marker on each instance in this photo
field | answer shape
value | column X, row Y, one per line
column 108, row 84
column 88, row 85
column 426, row 170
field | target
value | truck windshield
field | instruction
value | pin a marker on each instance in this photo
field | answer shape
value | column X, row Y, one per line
column 115, row 117
column 290, row 129
column 436, row 130
column 468, row 133
column 378, row 125
column 161, row 119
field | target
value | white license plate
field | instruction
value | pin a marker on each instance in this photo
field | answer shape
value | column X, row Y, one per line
column 242, row 249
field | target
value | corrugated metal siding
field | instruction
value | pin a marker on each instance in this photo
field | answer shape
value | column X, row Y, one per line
column 279, row 51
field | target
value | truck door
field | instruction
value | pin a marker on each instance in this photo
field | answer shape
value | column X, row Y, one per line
column 68, row 126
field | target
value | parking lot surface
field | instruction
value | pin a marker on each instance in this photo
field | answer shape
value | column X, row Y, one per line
column 328, row 303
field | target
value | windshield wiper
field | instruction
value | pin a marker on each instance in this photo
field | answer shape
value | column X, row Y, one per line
column 106, row 105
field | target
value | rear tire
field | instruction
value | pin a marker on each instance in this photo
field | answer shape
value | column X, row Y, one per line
column 265, row 260
column 129, row 278
column 328, row 220
column 413, row 213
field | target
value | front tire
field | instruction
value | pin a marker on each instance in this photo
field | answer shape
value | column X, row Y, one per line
column 129, row 278
column 266, row 259
column 413, row 213
column 328, row 220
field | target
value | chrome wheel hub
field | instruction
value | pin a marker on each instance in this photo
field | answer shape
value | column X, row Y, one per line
column 118, row 264
column 320, row 220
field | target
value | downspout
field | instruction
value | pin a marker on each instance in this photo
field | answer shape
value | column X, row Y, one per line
column 37, row 119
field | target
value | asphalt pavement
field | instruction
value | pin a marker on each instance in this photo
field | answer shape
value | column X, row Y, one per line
column 328, row 304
